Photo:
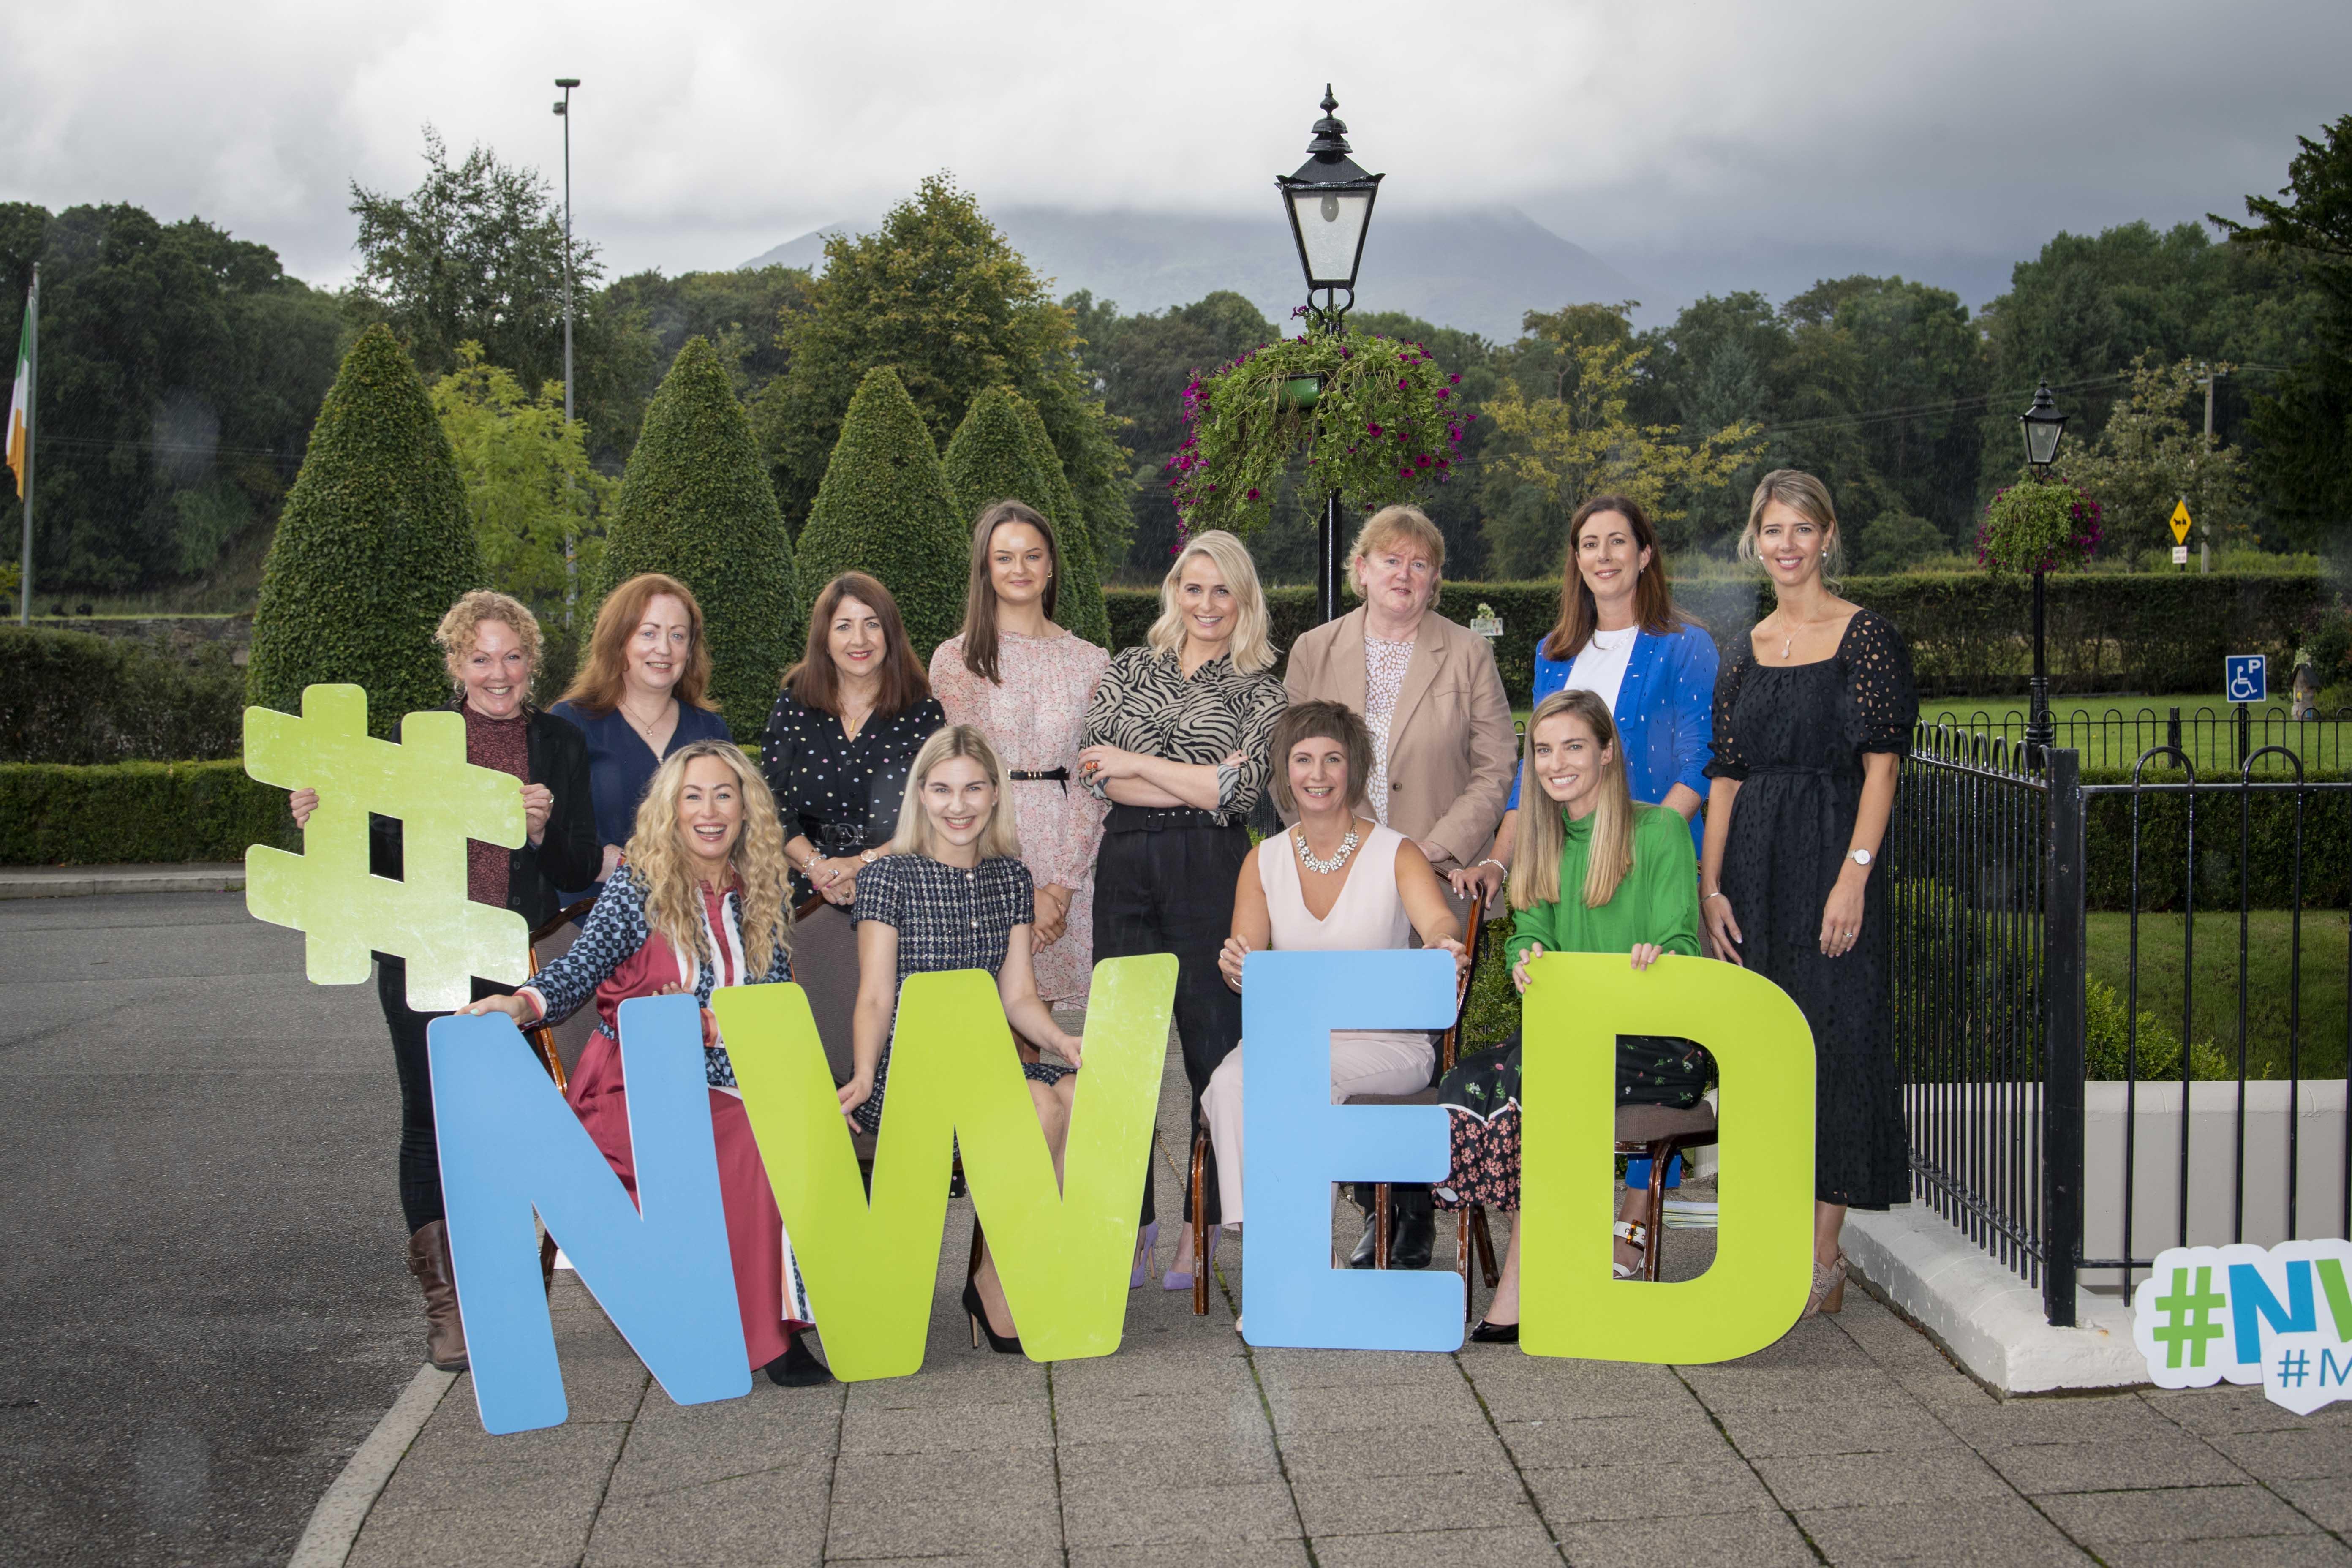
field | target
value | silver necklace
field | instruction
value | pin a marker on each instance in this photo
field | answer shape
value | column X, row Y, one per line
column 1338, row 857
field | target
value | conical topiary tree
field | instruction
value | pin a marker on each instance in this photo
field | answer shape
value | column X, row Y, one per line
column 373, row 547
column 884, row 508
column 697, row 504
column 1082, row 606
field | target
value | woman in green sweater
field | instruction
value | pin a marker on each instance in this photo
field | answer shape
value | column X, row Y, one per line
column 1598, row 873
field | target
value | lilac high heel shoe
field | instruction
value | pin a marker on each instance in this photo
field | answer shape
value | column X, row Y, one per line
column 1180, row 1268
column 1145, row 1240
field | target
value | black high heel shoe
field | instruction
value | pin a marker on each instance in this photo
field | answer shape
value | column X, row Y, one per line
column 1002, row 1344
column 1487, row 1333
column 797, row 1367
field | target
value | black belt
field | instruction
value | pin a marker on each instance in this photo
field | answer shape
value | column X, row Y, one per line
column 1159, row 819
column 1042, row 776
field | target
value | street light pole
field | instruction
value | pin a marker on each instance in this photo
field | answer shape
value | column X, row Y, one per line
column 571, row 554
column 2043, row 424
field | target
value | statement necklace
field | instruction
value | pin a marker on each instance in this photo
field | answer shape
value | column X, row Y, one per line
column 1338, row 857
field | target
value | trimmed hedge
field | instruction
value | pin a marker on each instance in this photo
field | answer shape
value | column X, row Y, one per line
column 1968, row 634
column 2166, row 865
column 372, row 548
column 993, row 457
column 52, row 814
column 72, row 697
column 884, row 509
column 1081, row 602
column 696, row 503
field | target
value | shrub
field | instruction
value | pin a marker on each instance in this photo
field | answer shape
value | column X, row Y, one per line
column 2154, row 1054
column 884, row 509
column 373, row 545
column 70, row 697
column 2269, row 825
column 1081, row 602
column 696, row 503
column 1896, row 541
column 132, row 811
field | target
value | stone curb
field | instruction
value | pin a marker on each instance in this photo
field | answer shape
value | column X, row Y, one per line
column 335, row 1523
column 85, row 881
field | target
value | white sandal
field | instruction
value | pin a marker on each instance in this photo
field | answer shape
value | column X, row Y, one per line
column 1635, row 1233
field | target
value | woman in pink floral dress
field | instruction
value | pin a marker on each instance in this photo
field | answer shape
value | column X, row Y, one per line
column 1025, row 683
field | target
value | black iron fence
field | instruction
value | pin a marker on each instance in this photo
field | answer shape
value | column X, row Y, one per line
column 2086, row 1082
column 2115, row 737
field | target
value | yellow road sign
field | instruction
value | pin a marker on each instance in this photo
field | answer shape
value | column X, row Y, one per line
column 2180, row 522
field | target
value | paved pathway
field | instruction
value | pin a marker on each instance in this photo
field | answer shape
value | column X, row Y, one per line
column 1852, row 1440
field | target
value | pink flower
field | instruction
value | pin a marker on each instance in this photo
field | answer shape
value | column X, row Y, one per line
column 1253, row 495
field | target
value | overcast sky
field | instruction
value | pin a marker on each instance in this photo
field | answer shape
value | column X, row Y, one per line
column 1696, row 145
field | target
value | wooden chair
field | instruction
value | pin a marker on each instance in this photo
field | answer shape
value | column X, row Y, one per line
column 1659, row 1132
column 1447, row 1048
column 559, row 1045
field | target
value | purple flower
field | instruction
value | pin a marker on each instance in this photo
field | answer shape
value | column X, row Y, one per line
column 1372, row 429
column 1253, row 495
column 1453, row 380
column 1442, row 395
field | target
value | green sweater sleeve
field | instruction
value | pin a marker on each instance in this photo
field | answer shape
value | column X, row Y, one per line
column 1668, row 872
column 1532, row 924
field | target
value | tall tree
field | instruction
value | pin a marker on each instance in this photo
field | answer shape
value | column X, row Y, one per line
column 2151, row 456
column 885, row 509
column 740, row 311
column 1001, row 452
column 374, row 547
column 696, row 504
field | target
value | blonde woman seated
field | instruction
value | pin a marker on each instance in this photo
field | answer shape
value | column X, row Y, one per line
column 1337, row 881
column 697, row 902
column 952, row 893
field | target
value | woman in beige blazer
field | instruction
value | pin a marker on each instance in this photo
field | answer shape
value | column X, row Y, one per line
column 1445, row 753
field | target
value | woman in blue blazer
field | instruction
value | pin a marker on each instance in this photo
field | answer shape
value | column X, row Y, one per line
column 1620, row 637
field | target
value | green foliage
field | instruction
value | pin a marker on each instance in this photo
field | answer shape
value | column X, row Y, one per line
column 534, row 497
column 1080, row 605
column 739, row 312
column 69, row 697
column 1895, row 541
column 2151, row 457
column 937, row 296
column 130, row 813
column 2037, row 527
column 185, row 367
column 885, row 509
column 695, row 503
column 374, row 547
column 2152, row 1053
column 1001, row 453
column 2168, row 870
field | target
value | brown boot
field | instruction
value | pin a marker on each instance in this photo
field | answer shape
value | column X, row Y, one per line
column 445, row 1333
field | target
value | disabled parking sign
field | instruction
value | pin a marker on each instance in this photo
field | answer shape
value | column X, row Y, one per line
column 2281, row 1317
column 2245, row 678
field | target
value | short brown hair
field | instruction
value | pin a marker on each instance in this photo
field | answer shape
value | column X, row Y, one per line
column 816, row 683
column 597, row 688
column 1394, row 524
column 457, row 629
column 1321, row 721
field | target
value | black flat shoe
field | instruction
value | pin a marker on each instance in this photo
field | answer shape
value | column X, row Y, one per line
column 797, row 1367
column 1487, row 1333
column 1002, row 1344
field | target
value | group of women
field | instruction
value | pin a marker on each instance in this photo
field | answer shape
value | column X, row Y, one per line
column 1031, row 804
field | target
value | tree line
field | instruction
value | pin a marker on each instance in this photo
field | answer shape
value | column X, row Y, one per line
column 181, row 370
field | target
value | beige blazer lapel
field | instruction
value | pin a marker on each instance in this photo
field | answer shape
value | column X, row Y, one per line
column 1429, row 654
column 1343, row 674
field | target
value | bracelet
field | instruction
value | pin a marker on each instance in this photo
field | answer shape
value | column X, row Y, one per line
column 1716, row 894
column 1498, row 865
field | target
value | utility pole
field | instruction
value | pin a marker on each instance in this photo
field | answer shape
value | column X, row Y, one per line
column 2205, row 533
column 571, row 552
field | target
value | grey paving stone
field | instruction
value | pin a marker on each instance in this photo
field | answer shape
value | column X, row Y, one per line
column 1764, row 1539
column 2102, row 1519
column 454, row 1501
column 899, row 1430
column 2293, row 1453
column 1283, row 1367
column 772, row 1429
column 1506, row 1547
column 1998, row 1531
column 2108, row 1465
column 1611, row 1440
column 1377, row 1408
column 1012, row 1557
column 908, row 1505
column 1230, row 1553
column 1232, row 1412
column 778, row 1516
column 1879, row 1429
column 948, row 1382
column 2002, row 1423
column 1644, row 1489
column 1403, row 1452
column 1817, row 1343
column 1333, row 1504
column 1855, row 1480
column 1220, row 1459
column 1735, row 1387
column 2329, row 1501
column 1165, row 1507
column 2262, row 1551
column 1518, row 1387
column 2225, row 1407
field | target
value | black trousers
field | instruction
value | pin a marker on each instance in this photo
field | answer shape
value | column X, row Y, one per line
column 420, row 1149
column 1164, row 883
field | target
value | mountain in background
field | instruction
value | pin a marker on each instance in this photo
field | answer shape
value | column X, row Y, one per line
column 1478, row 270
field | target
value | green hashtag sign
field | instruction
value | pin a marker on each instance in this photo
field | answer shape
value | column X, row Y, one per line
column 2185, row 1321
column 326, row 891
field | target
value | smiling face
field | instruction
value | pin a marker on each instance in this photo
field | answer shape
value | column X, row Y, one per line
column 1791, row 544
column 1610, row 557
column 1568, row 763
column 1318, row 770
column 709, row 814
column 854, row 637
column 1205, row 602
column 1398, row 579
column 659, row 647
column 958, row 800
column 1019, row 563
column 496, row 671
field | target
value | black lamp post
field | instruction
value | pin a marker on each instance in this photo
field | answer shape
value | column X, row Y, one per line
column 2043, row 424
column 1330, row 201
column 571, row 555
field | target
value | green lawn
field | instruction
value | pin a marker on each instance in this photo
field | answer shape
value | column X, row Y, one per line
column 2214, row 999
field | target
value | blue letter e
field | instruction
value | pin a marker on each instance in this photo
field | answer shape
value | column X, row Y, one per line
column 1298, row 1143
column 509, row 1144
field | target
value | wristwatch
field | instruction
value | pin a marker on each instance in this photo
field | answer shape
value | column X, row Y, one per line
column 868, row 857
column 1859, row 856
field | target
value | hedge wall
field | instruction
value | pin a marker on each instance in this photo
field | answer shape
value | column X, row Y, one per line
column 71, row 696
column 2165, row 863
column 1967, row 633
column 52, row 814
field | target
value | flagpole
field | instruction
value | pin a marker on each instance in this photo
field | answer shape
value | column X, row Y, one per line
column 32, row 398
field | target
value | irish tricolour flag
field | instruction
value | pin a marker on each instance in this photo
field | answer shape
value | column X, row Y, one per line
column 20, row 401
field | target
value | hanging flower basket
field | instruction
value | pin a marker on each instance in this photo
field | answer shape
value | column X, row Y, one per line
column 2039, row 527
column 1376, row 415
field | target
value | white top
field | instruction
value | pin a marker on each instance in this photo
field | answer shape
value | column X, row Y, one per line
column 1368, row 913
column 1384, row 666
column 1600, row 667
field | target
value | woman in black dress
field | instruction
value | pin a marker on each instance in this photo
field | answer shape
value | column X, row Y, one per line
column 1812, row 719
column 852, row 715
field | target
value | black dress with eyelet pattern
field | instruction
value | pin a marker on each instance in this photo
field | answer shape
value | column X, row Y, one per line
column 947, row 918
column 842, row 795
column 1794, row 735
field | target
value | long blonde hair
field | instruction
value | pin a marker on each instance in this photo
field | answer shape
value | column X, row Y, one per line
column 1809, row 498
column 1000, row 836
column 673, row 898
column 1534, row 863
column 1253, row 643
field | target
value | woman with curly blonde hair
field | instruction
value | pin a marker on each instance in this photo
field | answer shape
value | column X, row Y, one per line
column 698, row 901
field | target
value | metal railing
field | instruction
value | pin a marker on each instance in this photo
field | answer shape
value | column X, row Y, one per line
column 2115, row 737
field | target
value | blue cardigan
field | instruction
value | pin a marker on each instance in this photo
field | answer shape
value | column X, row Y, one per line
column 620, row 766
column 1664, row 712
